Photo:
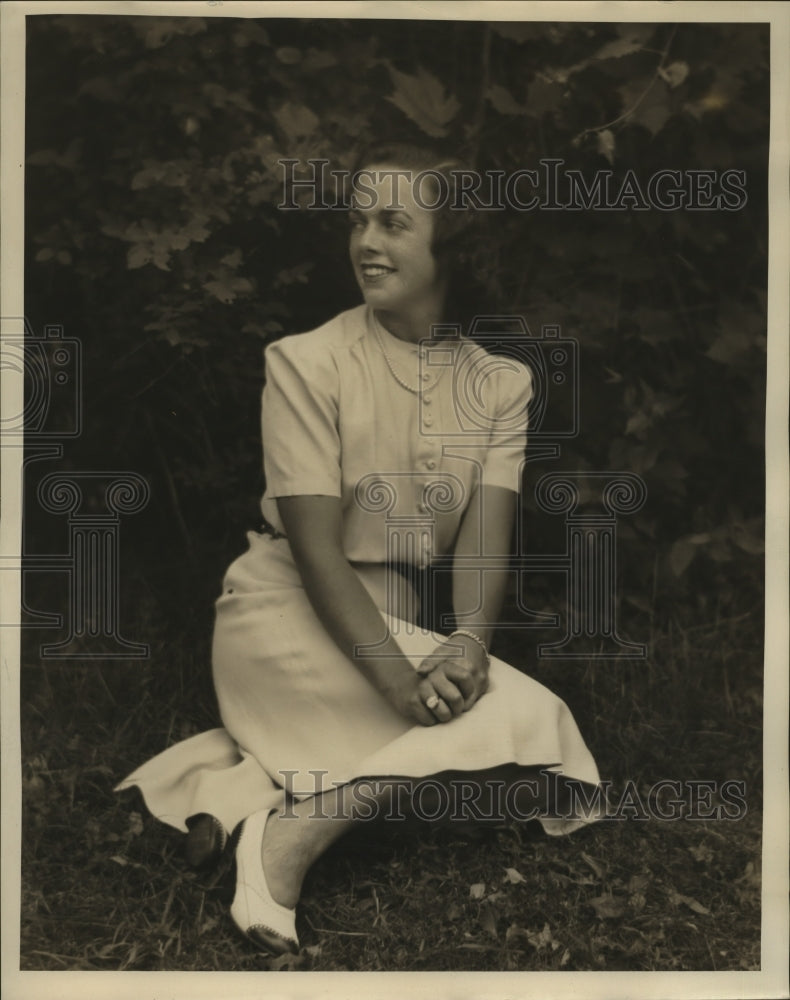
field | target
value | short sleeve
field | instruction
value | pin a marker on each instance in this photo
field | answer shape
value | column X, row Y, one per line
column 299, row 419
column 505, row 454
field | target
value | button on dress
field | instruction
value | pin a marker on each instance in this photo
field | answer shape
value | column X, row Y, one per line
column 297, row 713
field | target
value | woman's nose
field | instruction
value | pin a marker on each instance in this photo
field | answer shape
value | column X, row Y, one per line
column 368, row 238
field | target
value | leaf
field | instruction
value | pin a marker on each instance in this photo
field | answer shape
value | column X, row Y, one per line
column 488, row 920
column 138, row 256
column 158, row 33
column 287, row 961
column 607, row 907
column 503, row 101
column 228, row 287
column 680, row 555
column 288, row 55
column 250, row 31
column 632, row 39
column 297, row 121
column 231, row 260
column 600, row 870
column 722, row 93
column 637, row 423
column 514, row 876
column 747, row 540
column 703, row 853
column 728, row 347
column 135, row 824
column 293, row 275
column 676, row 899
column 674, row 74
column 645, row 100
column 544, row 94
column 543, row 939
column 477, row 891
column 222, row 98
column 316, row 60
column 518, row 31
column 422, row 97
column 172, row 173
column 514, row 933
column 606, row 144
column 69, row 159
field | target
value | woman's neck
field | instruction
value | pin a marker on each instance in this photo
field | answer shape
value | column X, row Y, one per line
column 412, row 328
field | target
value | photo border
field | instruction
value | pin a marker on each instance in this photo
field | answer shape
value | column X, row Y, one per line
column 772, row 979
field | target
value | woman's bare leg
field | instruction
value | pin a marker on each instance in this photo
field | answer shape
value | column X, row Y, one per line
column 296, row 837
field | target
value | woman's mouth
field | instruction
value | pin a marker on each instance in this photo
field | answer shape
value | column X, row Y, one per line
column 375, row 272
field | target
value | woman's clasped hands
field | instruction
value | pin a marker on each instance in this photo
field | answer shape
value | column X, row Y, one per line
column 447, row 683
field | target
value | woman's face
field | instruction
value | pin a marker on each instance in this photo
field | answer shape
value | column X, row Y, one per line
column 391, row 245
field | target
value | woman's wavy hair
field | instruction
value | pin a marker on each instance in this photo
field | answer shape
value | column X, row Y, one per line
column 462, row 243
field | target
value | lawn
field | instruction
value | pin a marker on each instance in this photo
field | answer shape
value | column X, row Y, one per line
column 105, row 886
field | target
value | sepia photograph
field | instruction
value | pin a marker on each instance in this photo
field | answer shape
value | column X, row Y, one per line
column 394, row 446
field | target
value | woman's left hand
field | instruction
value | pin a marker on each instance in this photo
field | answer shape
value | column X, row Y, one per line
column 467, row 672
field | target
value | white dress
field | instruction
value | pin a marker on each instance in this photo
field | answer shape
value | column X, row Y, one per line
column 296, row 712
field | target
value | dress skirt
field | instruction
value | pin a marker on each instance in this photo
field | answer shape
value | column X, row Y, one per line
column 299, row 715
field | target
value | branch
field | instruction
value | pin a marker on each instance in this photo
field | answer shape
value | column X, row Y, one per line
column 627, row 114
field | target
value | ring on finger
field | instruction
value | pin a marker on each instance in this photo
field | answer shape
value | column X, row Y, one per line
column 432, row 702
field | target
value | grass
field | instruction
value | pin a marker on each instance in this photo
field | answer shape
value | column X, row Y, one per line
column 105, row 886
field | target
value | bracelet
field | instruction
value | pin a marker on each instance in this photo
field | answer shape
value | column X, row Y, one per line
column 477, row 639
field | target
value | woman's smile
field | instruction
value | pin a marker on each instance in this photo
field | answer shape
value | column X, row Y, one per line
column 374, row 273
column 391, row 252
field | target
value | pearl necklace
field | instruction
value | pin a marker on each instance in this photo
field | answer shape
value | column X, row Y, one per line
column 401, row 381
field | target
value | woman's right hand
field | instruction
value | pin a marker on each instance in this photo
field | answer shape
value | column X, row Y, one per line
column 418, row 699
column 423, row 701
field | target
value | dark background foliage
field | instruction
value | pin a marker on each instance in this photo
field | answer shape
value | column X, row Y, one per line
column 153, row 237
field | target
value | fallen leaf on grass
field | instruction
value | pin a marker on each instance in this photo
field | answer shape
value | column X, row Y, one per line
column 536, row 939
column 286, row 961
column 702, row 853
column 607, row 906
column 751, row 875
column 677, row 898
column 514, row 876
column 135, row 824
column 488, row 920
column 477, row 891
column 120, row 860
column 599, row 870
column 543, row 939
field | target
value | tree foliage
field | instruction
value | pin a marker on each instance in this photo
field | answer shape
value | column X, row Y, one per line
column 154, row 235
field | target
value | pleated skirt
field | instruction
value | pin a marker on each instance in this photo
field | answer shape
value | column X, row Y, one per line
column 298, row 715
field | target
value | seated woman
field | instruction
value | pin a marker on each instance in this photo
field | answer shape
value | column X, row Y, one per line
column 323, row 679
